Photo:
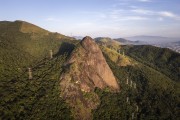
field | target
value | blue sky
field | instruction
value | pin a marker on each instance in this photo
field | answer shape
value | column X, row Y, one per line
column 108, row 18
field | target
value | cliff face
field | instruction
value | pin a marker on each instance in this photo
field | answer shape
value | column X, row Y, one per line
column 85, row 69
column 99, row 72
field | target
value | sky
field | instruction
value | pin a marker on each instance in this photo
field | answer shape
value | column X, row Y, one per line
column 98, row 18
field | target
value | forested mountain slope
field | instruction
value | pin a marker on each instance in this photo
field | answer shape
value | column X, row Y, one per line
column 148, row 77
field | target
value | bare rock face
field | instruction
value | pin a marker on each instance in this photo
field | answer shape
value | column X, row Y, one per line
column 101, row 75
column 85, row 69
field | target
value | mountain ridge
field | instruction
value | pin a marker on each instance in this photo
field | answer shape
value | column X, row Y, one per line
column 21, row 26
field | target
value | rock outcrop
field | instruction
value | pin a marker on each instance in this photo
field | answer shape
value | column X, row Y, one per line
column 85, row 70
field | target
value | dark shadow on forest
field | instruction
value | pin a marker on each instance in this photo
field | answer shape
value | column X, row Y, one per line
column 65, row 48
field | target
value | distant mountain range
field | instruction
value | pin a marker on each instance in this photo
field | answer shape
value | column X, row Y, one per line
column 153, row 39
column 130, row 42
column 175, row 46
column 120, row 41
column 158, row 41
column 78, row 37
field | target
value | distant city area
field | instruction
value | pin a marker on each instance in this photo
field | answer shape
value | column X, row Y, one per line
column 173, row 46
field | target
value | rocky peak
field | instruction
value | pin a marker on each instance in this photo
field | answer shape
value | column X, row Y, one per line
column 85, row 70
column 96, row 60
column 89, row 45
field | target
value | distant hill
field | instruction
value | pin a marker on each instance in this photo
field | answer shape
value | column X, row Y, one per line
column 175, row 46
column 153, row 39
column 129, row 42
column 78, row 37
column 108, row 42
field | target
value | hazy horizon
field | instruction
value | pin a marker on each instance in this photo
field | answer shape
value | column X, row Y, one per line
column 96, row 18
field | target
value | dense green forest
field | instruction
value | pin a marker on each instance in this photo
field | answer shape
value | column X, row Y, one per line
column 37, row 98
column 22, row 98
column 153, row 94
column 161, row 59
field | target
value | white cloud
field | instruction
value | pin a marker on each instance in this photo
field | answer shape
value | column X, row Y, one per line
column 51, row 19
column 134, row 7
column 84, row 24
column 135, row 14
column 160, row 19
column 169, row 15
column 122, row 15
column 122, row 3
column 144, row 0
column 136, row 18
column 131, row 18
column 159, row 14
column 143, row 11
